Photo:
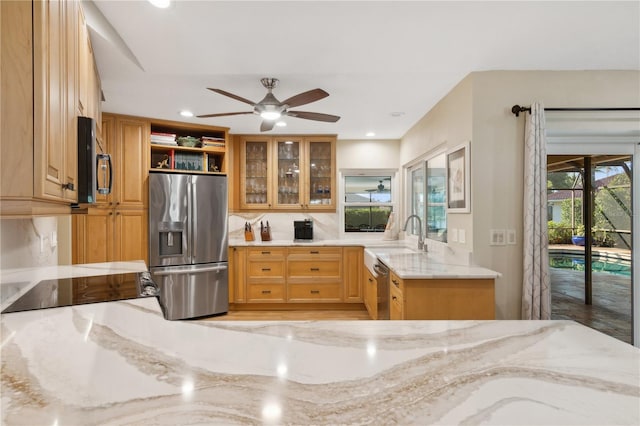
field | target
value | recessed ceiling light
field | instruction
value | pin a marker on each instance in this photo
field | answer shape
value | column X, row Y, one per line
column 281, row 124
column 370, row 134
column 162, row 4
column 186, row 113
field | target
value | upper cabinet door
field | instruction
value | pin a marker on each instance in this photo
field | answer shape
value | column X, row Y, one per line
column 53, row 139
column 255, row 173
column 320, row 171
column 287, row 172
column 131, row 153
column 288, row 186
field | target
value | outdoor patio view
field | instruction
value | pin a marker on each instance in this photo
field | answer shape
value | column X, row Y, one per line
column 591, row 285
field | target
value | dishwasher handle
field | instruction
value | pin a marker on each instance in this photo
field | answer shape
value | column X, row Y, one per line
column 381, row 269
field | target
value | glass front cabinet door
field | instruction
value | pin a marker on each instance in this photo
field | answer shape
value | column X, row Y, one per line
column 255, row 174
column 321, row 173
column 287, row 173
column 289, row 180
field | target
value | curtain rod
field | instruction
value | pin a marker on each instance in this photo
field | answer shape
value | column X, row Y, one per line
column 517, row 109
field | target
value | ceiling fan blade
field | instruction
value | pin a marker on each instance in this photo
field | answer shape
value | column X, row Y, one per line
column 306, row 98
column 231, row 95
column 223, row 114
column 314, row 116
column 267, row 125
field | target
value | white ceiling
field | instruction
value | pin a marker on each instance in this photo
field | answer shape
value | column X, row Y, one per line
column 374, row 58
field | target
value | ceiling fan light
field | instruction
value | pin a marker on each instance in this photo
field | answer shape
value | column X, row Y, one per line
column 162, row 4
column 270, row 115
column 281, row 124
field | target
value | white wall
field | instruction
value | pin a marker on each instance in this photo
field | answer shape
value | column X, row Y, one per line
column 367, row 154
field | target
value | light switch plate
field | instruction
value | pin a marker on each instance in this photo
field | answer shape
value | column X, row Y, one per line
column 461, row 236
column 511, row 237
column 497, row 237
column 454, row 235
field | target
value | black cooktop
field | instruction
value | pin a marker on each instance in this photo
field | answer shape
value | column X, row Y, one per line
column 81, row 290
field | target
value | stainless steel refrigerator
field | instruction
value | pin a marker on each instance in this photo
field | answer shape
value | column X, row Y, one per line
column 188, row 232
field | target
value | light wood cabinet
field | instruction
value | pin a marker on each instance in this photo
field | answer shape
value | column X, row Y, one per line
column 40, row 56
column 314, row 274
column 370, row 293
column 352, row 262
column 116, row 227
column 286, row 173
column 106, row 235
column 265, row 275
column 442, row 299
column 295, row 275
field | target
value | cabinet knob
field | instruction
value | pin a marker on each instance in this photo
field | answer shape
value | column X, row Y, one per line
column 69, row 186
column 110, row 213
column 394, row 298
column 370, row 280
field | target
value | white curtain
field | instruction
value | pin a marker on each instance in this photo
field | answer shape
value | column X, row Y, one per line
column 536, row 292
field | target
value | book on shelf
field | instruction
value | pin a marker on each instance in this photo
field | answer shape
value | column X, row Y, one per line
column 188, row 161
column 163, row 138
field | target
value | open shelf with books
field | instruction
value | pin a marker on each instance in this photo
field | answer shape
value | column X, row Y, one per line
column 188, row 148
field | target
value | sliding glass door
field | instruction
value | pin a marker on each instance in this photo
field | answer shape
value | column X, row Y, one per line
column 590, row 241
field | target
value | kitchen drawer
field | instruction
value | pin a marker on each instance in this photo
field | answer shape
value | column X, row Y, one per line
column 315, row 292
column 266, row 252
column 260, row 269
column 265, row 293
column 322, row 269
column 315, row 251
column 396, row 303
column 396, row 281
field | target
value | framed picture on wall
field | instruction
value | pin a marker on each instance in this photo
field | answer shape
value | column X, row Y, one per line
column 458, row 179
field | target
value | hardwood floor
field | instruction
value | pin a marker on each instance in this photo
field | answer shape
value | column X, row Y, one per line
column 295, row 315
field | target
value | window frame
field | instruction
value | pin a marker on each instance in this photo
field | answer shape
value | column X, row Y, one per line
column 395, row 190
column 420, row 163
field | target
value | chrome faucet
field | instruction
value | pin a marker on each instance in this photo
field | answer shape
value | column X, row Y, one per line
column 421, row 245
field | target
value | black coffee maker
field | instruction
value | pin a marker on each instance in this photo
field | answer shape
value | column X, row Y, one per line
column 303, row 229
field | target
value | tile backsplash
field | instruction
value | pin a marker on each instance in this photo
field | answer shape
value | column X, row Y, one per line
column 325, row 225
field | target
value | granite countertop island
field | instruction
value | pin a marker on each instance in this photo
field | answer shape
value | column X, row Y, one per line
column 122, row 363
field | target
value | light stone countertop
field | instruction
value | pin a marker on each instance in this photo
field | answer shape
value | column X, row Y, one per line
column 122, row 363
column 406, row 261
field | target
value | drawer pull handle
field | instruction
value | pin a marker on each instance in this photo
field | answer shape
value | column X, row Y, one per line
column 395, row 283
column 266, row 291
column 314, row 252
column 315, row 291
column 266, row 252
column 315, row 269
column 266, row 269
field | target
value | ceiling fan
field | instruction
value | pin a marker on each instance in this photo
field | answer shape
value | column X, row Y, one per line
column 270, row 108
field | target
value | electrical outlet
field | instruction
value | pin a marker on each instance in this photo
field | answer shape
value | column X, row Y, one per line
column 511, row 237
column 496, row 237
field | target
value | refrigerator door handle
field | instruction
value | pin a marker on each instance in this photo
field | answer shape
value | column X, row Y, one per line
column 193, row 218
column 191, row 271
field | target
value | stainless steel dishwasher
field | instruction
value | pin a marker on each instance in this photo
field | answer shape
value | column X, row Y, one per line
column 382, row 280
